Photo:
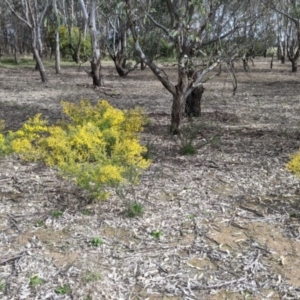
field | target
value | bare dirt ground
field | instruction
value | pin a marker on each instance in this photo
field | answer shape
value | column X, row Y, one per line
column 227, row 218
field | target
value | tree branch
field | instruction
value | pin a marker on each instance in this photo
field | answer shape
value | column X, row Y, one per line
column 159, row 73
column 199, row 77
column 17, row 15
column 43, row 13
column 84, row 11
column 159, row 26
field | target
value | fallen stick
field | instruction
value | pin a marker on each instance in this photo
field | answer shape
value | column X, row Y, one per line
column 216, row 286
column 16, row 256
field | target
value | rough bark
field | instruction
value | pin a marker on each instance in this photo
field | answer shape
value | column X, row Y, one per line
column 294, row 65
column 193, row 102
column 179, row 98
column 177, row 111
column 143, row 65
column 120, row 65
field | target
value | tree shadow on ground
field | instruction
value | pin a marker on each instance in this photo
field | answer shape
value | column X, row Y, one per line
column 16, row 115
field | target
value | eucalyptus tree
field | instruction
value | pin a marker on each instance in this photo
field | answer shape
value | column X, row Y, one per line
column 76, row 25
column 90, row 13
column 289, row 16
column 56, row 22
column 115, row 34
column 8, row 33
column 282, row 29
column 32, row 14
column 189, row 26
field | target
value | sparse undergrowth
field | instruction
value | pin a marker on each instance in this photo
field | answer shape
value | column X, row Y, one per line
column 228, row 214
column 134, row 209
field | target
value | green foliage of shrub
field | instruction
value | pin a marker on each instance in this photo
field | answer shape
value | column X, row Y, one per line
column 2, row 285
column 97, row 146
column 96, row 242
column 166, row 49
column 66, row 40
column 35, row 280
column 57, row 213
column 134, row 209
column 63, row 290
column 156, row 234
column 188, row 149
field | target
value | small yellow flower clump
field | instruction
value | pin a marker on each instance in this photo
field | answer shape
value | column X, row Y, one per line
column 99, row 145
column 294, row 164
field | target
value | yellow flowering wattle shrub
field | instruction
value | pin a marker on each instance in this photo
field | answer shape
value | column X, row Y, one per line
column 98, row 145
column 294, row 164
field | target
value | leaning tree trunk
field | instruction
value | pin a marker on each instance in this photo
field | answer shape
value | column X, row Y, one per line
column 120, row 63
column 38, row 45
column 120, row 67
column 36, row 54
column 40, row 64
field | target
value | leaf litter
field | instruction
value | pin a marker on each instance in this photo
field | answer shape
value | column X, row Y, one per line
column 228, row 216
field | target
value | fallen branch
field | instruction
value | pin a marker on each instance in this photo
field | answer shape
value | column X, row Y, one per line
column 217, row 286
column 14, row 257
column 252, row 210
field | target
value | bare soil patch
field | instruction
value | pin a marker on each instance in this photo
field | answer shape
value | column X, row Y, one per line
column 228, row 216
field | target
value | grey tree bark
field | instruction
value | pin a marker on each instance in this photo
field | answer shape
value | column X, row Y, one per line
column 56, row 34
column 90, row 18
column 185, row 25
column 32, row 14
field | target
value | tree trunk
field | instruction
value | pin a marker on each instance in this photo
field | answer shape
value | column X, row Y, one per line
column 294, row 65
column 283, row 52
column 271, row 63
column 40, row 65
column 179, row 96
column 193, row 102
column 56, row 35
column 96, row 73
column 57, row 52
column 143, row 65
column 96, row 60
column 120, row 70
column 75, row 49
column 245, row 65
column 120, row 64
column 265, row 53
column 36, row 54
column 177, row 112
column 16, row 58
